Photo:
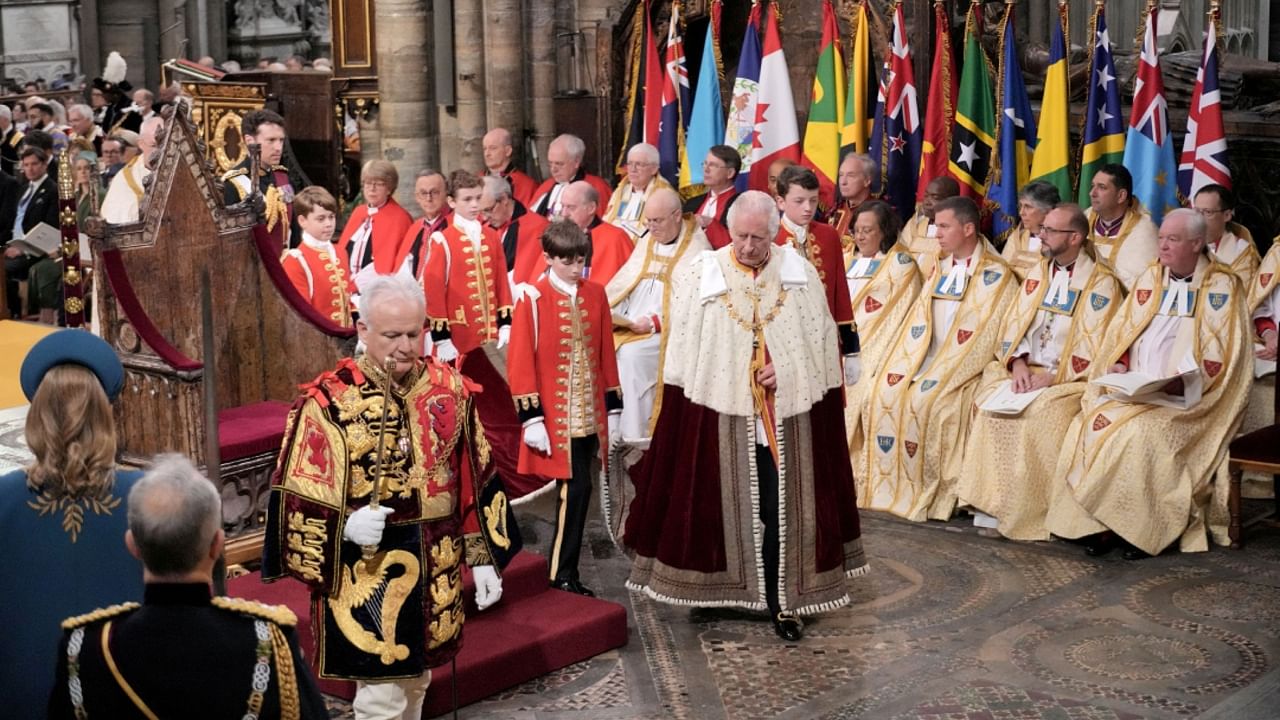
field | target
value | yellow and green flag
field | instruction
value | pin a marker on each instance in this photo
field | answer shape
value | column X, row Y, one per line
column 826, row 111
column 864, row 83
column 1052, row 161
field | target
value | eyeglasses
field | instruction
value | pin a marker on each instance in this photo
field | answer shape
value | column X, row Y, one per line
column 427, row 193
column 640, row 164
column 1045, row 230
column 373, row 183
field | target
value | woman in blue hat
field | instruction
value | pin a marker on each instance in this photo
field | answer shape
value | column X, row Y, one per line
column 63, row 518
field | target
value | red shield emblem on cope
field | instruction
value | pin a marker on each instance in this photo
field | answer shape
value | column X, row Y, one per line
column 1212, row 368
column 893, row 379
column 1032, row 285
column 1143, row 296
column 1100, row 422
column 962, row 336
column 1078, row 364
column 1264, row 279
column 910, row 447
column 872, row 305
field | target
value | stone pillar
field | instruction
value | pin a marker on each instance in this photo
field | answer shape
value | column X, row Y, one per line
column 371, row 146
column 541, row 56
column 469, row 86
column 406, row 113
column 504, row 66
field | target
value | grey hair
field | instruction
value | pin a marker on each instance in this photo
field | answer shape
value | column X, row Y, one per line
column 1193, row 222
column 1043, row 195
column 429, row 172
column 649, row 152
column 497, row 187
column 174, row 513
column 84, row 110
column 754, row 202
column 573, row 145
column 869, row 166
column 387, row 287
column 5, row 112
column 59, row 111
column 589, row 192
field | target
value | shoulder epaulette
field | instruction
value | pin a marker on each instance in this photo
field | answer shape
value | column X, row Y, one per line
column 16, row 138
column 278, row 614
column 234, row 172
column 105, row 613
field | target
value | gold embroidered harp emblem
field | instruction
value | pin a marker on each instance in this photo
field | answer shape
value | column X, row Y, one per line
column 365, row 585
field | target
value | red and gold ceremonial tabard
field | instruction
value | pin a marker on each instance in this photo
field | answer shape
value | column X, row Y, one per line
column 399, row 612
column 468, row 296
column 548, row 327
column 822, row 249
column 319, row 272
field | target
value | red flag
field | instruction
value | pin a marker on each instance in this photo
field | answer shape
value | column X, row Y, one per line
column 653, row 80
column 941, row 109
column 776, row 133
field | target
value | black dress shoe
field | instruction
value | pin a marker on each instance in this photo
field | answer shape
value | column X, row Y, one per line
column 788, row 626
column 572, row 586
column 1100, row 544
column 1133, row 553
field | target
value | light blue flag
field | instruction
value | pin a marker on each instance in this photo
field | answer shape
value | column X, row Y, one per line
column 1148, row 148
column 706, row 122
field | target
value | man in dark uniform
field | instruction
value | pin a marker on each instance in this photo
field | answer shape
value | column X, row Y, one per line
column 377, row 508
column 181, row 653
column 266, row 128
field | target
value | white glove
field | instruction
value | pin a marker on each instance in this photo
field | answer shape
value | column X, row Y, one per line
column 535, row 436
column 446, row 351
column 488, row 586
column 504, row 336
column 852, row 369
column 615, row 428
column 364, row 526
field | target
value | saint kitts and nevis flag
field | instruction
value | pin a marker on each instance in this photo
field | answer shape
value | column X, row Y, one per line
column 1204, row 149
column 1052, row 161
column 826, row 112
column 1104, row 128
column 973, row 136
column 1016, row 138
column 1148, row 148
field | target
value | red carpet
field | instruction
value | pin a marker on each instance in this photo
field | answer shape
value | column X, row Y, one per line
column 530, row 632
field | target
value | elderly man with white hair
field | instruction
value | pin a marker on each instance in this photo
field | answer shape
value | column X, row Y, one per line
column 745, row 497
column 1141, row 464
column 80, row 118
column 124, row 197
column 626, row 205
column 354, row 515
column 853, row 180
column 564, row 159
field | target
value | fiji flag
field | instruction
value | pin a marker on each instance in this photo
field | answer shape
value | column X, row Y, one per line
column 1148, row 149
column 740, row 126
column 1016, row 138
column 675, row 102
column 1204, row 150
column 898, row 133
column 1103, row 125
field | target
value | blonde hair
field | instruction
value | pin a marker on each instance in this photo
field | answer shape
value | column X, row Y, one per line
column 71, row 432
column 382, row 170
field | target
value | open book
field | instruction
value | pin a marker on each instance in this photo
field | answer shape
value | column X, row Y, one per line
column 43, row 239
column 1004, row 401
column 1138, row 387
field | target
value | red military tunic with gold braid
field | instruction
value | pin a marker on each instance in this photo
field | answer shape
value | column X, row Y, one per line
column 318, row 270
column 562, row 369
column 822, row 248
column 399, row 612
column 465, row 281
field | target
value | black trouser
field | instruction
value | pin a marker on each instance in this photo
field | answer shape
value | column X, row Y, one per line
column 15, row 269
column 573, row 499
column 767, row 474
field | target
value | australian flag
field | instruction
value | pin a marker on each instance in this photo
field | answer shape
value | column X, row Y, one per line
column 897, row 135
column 675, row 102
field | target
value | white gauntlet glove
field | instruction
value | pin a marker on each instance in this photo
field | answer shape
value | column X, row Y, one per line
column 488, row 586
column 504, row 336
column 852, row 369
column 535, row 436
column 364, row 526
column 446, row 351
column 615, row 428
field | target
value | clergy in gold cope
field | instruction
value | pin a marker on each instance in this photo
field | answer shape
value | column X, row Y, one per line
column 911, row 442
column 1152, row 474
column 1050, row 340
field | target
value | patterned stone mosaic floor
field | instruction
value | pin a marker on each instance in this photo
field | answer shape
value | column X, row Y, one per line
column 949, row 626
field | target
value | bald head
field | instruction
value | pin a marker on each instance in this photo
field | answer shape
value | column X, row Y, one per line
column 497, row 149
column 662, row 215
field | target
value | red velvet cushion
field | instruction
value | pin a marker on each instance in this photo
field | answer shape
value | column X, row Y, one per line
column 251, row 429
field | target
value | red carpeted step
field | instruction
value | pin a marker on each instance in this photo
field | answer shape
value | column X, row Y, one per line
column 532, row 631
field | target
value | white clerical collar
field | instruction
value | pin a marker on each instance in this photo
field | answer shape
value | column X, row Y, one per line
column 313, row 243
column 720, row 193
column 1059, row 285
column 801, row 232
column 374, row 210
column 470, row 228
column 956, row 277
column 640, row 190
column 862, row 266
column 1178, row 296
column 570, row 289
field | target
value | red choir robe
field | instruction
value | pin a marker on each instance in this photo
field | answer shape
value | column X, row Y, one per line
column 717, row 232
column 823, row 249
column 319, row 272
column 610, row 248
column 417, row 241
column 523, row 187
column 382, row 248
column 543, row 333
column 542, row 196
column 522, row 243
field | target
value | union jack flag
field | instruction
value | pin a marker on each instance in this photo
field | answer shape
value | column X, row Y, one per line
column 1204, row 151
column 675, row 101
